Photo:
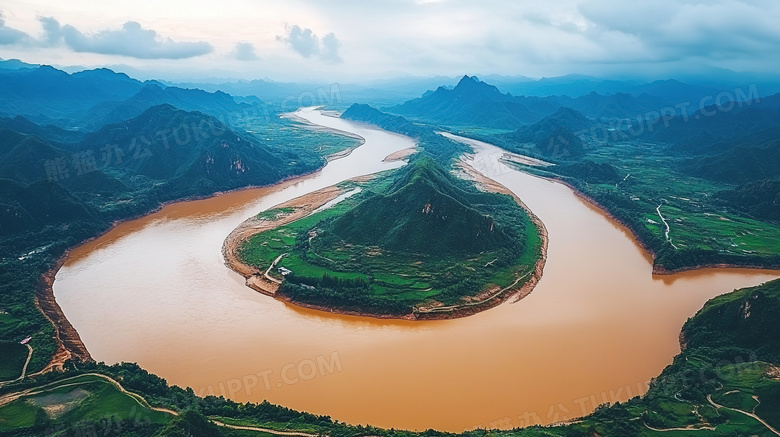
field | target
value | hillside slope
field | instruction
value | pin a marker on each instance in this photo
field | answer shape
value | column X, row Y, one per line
column 425, row 213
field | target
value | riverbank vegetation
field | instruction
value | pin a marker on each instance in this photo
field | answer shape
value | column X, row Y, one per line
column 59, row 188
column 696, row 189
column 726, row 381
column 684, row 220
column 418, row 237
column 51, row 201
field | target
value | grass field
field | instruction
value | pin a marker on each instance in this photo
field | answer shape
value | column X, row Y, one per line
column 13, row 357
column 695, row 221
column 86, row 398
column 732, row 386
column 296, row 140
column 7, row 322
column 20, row 414
column 303, row 427
column 702, row 229
column 399, row 277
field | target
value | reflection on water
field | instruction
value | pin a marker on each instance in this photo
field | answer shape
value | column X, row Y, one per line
column 598, row 325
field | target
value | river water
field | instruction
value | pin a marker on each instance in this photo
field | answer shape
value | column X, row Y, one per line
column 597, row 327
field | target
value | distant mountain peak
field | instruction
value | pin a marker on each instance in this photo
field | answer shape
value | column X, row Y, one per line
column 467, row 78
column 468, row 81
column 472, row 84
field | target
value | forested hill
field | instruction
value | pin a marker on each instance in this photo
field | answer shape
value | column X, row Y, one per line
column 89, row 99
column 425, row 212
column 473, row 102
column 440, row 148
column 217, row 104
column 50, row 96
column 54, row 195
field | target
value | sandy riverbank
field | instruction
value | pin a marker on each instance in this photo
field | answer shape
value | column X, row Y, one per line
column 306, row 204
column 300, row 206
column 400, row 155
column 69, row 343
column 512, row 291
column 657, row 269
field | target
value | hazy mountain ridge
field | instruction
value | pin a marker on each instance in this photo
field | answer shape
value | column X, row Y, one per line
column 51, row 96
column 216, row 104
column 90, row 99
column 473, row 102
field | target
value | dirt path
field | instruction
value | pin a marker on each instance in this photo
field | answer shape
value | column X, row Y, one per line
column 299, row 207
column 718, row 407
column 8, row 398
column 26, row 362
column 668, row 229
column 473, row 304
column 258, row 429
column 623, row 180
column 276, row 261
column 24, row 368
column 687, row 428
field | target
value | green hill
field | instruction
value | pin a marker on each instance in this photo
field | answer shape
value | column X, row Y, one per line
column 424, row 213
column 49, row 133
column 739, row 164
column 216, row 104
column 759, row 199
column 413, row 238
column 590, row 172
column 743, row 322
column 476, row 103
column 41, row 203
column 189, row 149
column 563, row 118
column 560, row 143
column 437, row 146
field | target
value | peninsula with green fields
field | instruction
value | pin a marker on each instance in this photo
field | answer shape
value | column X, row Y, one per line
column 415, row 243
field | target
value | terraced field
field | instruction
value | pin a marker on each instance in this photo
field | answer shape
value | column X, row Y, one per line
column 382, row 276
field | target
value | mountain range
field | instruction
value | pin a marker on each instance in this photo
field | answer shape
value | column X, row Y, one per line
column 475, row 103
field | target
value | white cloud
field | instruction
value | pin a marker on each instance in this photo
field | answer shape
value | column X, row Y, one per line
column 669, row 30
column 307, row 44
column 330, row 48
column 245, row 51
column 10, row 35
column 131, row 40
column 374, row 38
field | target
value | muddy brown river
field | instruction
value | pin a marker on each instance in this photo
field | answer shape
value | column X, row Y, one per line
column 597, row 327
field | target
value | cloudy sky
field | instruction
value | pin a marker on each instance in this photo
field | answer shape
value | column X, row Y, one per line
column 352, row 40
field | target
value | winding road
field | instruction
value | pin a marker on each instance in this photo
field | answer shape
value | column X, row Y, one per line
column 668, row 229
column 718, row 406
column 10, row 397
column 24, row 369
